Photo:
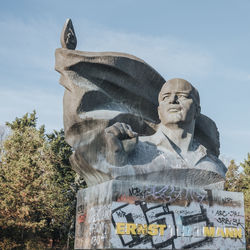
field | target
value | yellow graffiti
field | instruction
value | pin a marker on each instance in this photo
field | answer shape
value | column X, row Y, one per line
column 142, row 229
column 226, row 232
column 208, row 231
column 237, row 233
column 220, row 232
column 154, row 229
column 120, row 228
column 131, row 228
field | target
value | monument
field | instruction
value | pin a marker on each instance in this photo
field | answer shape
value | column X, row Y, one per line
column 147, row 154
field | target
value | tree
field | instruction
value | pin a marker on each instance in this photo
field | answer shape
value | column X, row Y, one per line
column 69, row 182
column 35, row 186
column 232, row 177
column 244, row 183
column 4, row 131
column 239, row 181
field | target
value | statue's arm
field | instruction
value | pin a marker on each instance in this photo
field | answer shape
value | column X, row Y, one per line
column 120, row 140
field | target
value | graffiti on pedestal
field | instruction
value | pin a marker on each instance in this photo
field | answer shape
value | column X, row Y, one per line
column 144, row 223
column 146, row 215
column 94, row 223
column 168, row 194
column 161, row 217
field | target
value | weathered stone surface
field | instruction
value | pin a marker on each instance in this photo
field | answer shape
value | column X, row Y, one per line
column 151, row 154
column 68, row 36
column 111, row 121
column 122, row 215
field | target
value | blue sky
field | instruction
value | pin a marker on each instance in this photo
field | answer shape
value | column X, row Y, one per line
column 205, row 42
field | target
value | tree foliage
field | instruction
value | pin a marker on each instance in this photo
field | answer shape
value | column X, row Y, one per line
column 37, row 187
column 245, row 188
column 232, row 177
column 238, row 180
column 4, row 131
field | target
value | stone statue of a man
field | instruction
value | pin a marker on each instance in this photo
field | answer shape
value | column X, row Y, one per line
column 111, row 121
column 179, row 106
column 173, row 145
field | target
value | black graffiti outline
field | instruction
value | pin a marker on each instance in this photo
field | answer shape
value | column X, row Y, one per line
column 161, row 221
column 169, row 194
column 137, row 239
column 129, row 219
column 193, row 219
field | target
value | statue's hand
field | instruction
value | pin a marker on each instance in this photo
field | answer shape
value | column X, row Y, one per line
column 120, row 140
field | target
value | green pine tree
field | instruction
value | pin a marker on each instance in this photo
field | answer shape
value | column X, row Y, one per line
column 244, row 183
column 68, row 180
column 232, row 177
column 239, row 181
column 36, row 187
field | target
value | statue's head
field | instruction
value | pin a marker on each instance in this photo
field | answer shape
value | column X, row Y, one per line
column 179, row 102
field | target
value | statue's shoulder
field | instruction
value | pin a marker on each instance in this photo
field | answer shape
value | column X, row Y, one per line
column 210, row 162
column 155, row 139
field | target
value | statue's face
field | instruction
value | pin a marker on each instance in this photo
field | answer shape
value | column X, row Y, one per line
column 176, row 103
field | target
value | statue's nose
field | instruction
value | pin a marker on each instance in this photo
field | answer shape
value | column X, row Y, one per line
column 173, row 99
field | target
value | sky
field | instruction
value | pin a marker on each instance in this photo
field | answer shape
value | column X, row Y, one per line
column 204, row 42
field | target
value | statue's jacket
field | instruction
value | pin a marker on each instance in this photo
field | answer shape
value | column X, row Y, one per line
column 156, row 159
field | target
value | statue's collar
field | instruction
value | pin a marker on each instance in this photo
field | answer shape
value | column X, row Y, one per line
column 164, row 144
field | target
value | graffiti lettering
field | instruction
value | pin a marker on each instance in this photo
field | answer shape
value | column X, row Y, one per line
column 227, row 213
column 131, row 228
column 136, row 191
column 154, row 217
column 222, row 232
column 127, row 199
column 167, row 194
column 158, row 220
column 228, row 221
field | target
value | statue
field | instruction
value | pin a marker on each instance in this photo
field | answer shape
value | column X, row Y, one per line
column 147, row 153
column 125, row 122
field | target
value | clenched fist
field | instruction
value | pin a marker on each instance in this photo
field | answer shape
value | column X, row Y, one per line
column 120, row 141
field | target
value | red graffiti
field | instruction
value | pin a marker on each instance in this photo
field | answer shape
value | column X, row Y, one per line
column 81, row 218
column 127, row 199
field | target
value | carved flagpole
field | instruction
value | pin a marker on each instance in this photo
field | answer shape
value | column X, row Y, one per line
column 68, row 36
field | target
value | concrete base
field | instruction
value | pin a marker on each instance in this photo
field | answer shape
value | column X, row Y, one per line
column 124, row 215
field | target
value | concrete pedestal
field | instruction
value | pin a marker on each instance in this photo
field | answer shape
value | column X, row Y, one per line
column 129, row 215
